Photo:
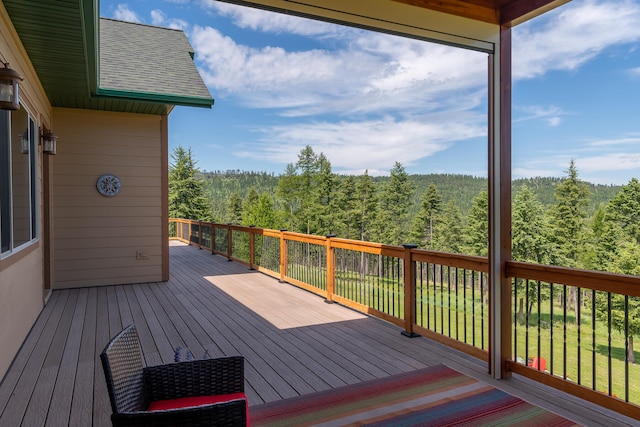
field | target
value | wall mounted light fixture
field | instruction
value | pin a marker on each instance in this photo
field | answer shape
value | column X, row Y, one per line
column 49, row 141
column 24, row 141
column 9, row 82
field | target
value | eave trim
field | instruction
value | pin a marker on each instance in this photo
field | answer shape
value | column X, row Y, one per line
column 157, row 98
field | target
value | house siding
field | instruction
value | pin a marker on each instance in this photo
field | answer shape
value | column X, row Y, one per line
column 97, row 238
column 21, row 273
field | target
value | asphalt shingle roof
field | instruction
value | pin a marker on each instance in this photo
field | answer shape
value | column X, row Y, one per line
column 143, row 59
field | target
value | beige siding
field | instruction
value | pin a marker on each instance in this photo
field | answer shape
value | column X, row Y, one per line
column 21, row 273
column 97, row 239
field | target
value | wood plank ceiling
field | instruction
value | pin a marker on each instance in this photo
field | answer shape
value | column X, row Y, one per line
column 502, row 12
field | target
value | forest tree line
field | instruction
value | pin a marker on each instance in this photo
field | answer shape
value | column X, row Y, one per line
column 559, row 221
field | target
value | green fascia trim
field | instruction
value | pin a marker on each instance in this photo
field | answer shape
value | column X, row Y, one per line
column 156, row 97
column 90, row 25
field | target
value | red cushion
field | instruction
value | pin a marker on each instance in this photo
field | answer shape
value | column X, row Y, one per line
column 187, row 402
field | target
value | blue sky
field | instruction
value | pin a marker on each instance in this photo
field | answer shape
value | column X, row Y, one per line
column 367, row 100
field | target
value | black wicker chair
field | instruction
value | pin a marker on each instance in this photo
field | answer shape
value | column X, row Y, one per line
column 166, row 395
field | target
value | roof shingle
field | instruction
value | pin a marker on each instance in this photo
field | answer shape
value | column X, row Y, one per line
column 144, row 60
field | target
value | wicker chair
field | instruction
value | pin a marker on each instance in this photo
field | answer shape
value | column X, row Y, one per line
column 208, row 392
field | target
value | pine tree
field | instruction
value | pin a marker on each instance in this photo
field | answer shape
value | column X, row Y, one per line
column 477, row 229
column 234, row 209
column 448, row 229
column 366, row 207
column 186, row 191
column 323, row 207
column 346, row 211
column 423, row 223
column 249, row 206
column 308, row 166
column 262, row 214
column 568, row 219
column 394, row 206
column 529, row 235
column 287, row 191
column 619, row 252
column 529, row 240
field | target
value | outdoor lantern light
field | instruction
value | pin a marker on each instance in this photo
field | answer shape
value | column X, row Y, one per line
column 9, row 80
column 24, row 141
column 49, row 141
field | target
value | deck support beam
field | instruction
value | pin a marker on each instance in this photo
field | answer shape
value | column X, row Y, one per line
column 500, row 205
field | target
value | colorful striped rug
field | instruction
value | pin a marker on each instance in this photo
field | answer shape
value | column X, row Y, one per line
column 434, row 396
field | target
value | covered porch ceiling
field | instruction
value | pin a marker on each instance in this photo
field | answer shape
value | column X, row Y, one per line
column 472, row 24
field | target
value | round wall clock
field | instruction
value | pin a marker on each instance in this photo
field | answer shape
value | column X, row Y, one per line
column 108, row 185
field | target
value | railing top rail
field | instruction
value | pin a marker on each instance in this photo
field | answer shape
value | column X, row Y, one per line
column 368, row 247
column 622, row 284
column 307, row 238
column 469, row 262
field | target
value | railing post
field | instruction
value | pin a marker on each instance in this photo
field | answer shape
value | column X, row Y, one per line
column 200, row 234
column 283, row 256
column 409, row 291
column 331, row 269
column 213, row 239
column 229, row 242
column 252, row 247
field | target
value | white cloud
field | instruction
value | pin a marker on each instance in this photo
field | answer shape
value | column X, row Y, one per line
column 372, row 73
column 551, row 114
column 372, row 145
column 124, row 13
column 610, row 162
column 573, row 35
column 624, row 141
column 259, row 20
column 158, row 17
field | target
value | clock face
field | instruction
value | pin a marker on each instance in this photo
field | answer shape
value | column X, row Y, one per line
column 108, row 185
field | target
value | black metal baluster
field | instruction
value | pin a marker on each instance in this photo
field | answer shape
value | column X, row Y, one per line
column 579, row 321
column 593, row 339
column 609, row 341
column 564, row 332
column 626, row 348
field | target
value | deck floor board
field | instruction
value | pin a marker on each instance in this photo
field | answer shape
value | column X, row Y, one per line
column 293, row 343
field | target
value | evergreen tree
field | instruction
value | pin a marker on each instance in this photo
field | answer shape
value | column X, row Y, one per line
column 570, row 235
column 365, row 208
column 287, row 191
column 619, row 252
column 346, row 211
column 324, row 206
column 234, row 209
column 262, row 214
column 477, row 229
column 249, row 206
column 625, row 209
column 394, row 206
column 423, row 223
column 186, row 191
column 307, row 165
column 568, row 219
column 529, row 241
column 448, row 229
column 529, row 235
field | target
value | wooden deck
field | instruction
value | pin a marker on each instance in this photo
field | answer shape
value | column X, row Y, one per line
column 292, row 341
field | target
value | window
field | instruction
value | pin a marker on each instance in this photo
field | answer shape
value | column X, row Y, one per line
column 18, row 180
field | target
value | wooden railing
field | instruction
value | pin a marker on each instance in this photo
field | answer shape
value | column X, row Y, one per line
column 559, row 335
column 573, row 331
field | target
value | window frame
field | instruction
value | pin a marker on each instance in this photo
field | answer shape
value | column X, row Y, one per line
column 7, row 197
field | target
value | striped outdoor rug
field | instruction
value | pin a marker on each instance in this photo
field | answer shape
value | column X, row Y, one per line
column 435, row 396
